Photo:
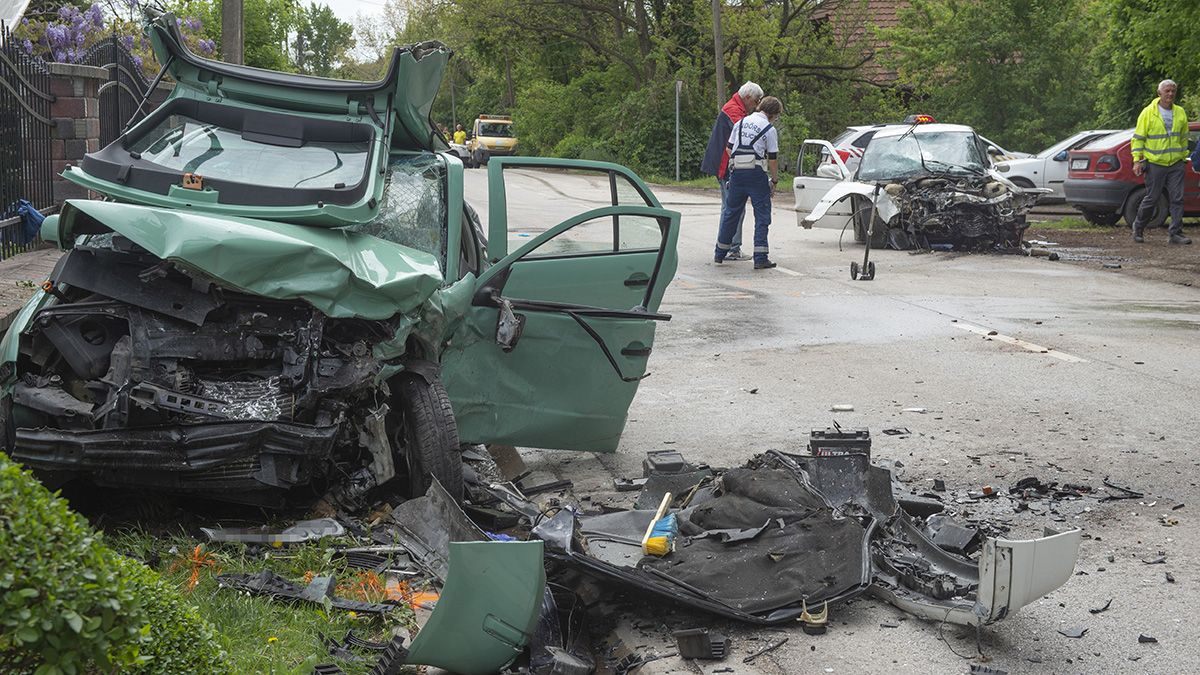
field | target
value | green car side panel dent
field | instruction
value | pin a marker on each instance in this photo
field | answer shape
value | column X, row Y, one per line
column 488, row 608
column 10, row 343
column 340, row 273
column 556, row 388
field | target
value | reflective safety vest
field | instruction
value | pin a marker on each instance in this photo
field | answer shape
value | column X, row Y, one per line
column 1153, row 142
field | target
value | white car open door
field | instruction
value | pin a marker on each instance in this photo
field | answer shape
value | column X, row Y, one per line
column 819, row 168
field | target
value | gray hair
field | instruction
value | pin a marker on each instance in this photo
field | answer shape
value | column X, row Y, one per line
column 751, row 90
column 1166, row 83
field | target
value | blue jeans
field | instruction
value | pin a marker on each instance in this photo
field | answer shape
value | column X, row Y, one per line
column 744, row 184
column 736, row 244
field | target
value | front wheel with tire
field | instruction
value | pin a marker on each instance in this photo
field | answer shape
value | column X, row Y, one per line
column 425, row 436
column 1157, row 218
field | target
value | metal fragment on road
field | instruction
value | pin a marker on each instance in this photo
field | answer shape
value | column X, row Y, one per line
column 771, row 647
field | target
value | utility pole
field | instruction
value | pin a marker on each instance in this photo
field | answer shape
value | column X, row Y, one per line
column 678, row 90
column 231, row 31
column 718, row 52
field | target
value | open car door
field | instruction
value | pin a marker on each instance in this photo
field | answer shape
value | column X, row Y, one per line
column 559, row 331
column 818, row 169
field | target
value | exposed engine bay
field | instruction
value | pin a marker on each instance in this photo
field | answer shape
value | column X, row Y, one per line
column 975, row 213
column 143, row 374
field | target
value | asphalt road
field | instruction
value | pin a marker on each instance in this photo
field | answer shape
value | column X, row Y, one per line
column 1098, row 379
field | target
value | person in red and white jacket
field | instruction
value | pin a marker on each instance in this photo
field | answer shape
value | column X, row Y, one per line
column 716, row 155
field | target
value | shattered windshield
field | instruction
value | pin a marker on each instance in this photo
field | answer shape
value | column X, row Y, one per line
column 187, row 145
column 412, row 212
column 952, row 152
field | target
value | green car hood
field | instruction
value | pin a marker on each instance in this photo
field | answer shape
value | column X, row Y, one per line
column 406, row 91
column 343, row 274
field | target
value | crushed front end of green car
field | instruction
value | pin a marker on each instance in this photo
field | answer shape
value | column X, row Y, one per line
column 285, row 298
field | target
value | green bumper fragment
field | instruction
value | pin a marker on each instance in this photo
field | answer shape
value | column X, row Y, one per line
column 488, row 608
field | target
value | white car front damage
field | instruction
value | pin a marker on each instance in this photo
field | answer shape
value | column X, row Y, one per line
column 920, row 199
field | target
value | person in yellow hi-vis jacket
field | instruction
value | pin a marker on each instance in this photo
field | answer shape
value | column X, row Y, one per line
column 1160, row 150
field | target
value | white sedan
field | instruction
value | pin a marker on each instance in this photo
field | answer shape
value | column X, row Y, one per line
column 1048, row 168
column 915, row 186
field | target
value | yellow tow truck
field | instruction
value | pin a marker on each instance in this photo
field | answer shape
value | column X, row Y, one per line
column 491, row 135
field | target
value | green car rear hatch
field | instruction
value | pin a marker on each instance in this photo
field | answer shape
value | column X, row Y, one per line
column 239, row 141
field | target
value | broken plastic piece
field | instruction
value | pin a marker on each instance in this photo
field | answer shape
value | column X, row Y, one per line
column 488, row 607
column 699, row 643
column 1076, row 632
column 270, row 584
column 814, row 624
column 305, row 530
column 1097, row 610
column 664, row 461
column 1144, row 639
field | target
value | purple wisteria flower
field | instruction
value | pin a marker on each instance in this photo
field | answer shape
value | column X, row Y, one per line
column 95, row 16
column 207, row 46
column 137, row 61
column 127, row 42
column 28, row 47
column 192, row 25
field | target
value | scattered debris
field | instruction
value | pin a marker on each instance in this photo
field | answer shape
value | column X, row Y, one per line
column 1170, row 578
column 699, row 643
column 1159, row 559
column 814, row 624
column 897, row 431
column 889, row 624
column 1168, row 520
column 1097, row 610
column 305, row 530
column 980, row 669
column 1112, row 266
column 939, row 485
column 1076, row 632
column 1122, row 492
column 842, row 407
column 319, row 591
column 950, row 536
column 916, row 410
column 1146, row 639
column 769, row 648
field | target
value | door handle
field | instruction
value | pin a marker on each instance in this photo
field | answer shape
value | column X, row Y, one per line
column 635, row 350
column 637, row 279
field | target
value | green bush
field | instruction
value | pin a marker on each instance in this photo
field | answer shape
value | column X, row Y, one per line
column 69, row 604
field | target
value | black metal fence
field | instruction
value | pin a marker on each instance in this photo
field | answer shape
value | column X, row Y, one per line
column 125, row 88
column 25, row 140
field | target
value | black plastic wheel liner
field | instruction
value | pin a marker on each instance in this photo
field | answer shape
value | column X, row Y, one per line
column 806, row 552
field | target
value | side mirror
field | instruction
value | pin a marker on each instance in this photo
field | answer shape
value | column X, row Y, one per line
column 1061, row 156
column 993, row 150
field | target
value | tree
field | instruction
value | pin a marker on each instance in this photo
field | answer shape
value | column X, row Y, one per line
column 1021, row 71
column 1146, row 41
column 322, row 40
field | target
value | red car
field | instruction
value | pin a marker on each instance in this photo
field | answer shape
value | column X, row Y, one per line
column 1101, row 184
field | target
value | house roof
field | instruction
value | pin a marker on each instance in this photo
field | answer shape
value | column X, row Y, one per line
column 854, row 26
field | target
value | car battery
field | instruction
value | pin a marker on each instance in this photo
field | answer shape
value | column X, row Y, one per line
column 836, row 441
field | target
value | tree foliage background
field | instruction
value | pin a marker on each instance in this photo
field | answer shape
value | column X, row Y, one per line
column 596, row 78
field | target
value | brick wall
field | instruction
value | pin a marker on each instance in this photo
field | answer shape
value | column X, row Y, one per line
column 76, row 116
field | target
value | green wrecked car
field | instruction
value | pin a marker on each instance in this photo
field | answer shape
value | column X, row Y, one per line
column 285, row 298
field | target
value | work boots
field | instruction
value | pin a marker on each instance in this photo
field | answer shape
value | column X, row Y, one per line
column 1138, row 238
column 1177, row 239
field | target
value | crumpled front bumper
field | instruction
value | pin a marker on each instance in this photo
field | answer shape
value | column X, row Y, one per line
column 230, row 456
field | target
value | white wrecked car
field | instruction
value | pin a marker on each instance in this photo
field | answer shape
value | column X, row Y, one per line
column 929, row 184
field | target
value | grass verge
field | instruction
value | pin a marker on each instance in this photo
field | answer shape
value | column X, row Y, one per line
column 262, row 635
